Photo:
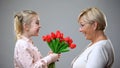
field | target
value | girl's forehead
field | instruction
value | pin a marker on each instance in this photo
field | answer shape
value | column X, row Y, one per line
column 36, row 17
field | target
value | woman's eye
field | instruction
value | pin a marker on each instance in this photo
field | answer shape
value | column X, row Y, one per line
column 82, row 25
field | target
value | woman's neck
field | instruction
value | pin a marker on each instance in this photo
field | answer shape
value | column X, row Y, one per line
column 99, row 35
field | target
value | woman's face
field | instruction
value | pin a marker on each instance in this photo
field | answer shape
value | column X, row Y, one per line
column 87, row 29
column 35, row 26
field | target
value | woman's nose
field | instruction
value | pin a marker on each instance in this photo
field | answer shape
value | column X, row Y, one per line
column 80, row 29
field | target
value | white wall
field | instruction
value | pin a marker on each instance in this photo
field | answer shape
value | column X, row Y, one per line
column 56, row 14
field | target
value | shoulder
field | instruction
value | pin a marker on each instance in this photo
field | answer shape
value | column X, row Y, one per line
column 21, row 44
column 103, row 45
column 102, row 48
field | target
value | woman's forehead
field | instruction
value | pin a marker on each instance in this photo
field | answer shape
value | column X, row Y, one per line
column 81, row 21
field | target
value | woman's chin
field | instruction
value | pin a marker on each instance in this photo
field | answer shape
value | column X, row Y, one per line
column 86, row 38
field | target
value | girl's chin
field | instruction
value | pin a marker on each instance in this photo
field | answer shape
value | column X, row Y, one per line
column 36, row 35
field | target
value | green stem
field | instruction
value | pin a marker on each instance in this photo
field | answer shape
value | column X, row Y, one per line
column 52, row 65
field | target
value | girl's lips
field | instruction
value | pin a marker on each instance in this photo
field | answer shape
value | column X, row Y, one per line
column 38, row 30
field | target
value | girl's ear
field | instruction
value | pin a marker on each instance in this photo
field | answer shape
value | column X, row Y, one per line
column 26, row 27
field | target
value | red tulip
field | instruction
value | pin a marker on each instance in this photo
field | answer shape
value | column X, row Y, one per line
column 58, row 43
column 72, row 46
column 61, row 35
column 67, row 39
column 44, row 38
column 48, row 38
column 58, row 34
column 70, row 41
column 53, row 35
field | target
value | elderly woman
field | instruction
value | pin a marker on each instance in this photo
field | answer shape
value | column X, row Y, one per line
column 99, row 53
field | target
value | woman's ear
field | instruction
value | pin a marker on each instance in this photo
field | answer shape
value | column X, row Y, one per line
column 95, row 24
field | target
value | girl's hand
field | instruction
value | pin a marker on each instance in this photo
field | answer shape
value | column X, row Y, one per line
column 55, row 57
column 50, row 52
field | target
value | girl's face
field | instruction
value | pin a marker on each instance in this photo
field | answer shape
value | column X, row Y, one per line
column 35, row 26
column 86, row 29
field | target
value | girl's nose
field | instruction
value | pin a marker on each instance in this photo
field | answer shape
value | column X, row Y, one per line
column 39, row 26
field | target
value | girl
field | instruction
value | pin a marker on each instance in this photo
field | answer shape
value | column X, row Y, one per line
column 26, row 55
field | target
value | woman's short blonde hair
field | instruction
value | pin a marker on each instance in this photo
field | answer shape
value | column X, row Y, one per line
column 91, row 15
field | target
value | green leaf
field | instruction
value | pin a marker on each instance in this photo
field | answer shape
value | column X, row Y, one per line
column 53, row 44
column 51, row 47
column 64, row 50
column 60, row 45
column 57, row 42
column 65, row 46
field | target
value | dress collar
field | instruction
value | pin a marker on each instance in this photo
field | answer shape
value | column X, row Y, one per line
column 27, row 39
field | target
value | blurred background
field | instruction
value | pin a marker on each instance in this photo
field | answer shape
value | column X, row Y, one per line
column 56, row 15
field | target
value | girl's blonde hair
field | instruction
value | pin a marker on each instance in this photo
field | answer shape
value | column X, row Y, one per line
column 20, row 18
column 91, row 15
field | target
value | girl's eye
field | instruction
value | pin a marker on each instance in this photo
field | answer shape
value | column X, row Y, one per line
column 37, row 22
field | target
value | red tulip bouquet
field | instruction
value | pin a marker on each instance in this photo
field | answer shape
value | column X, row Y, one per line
column 58, row 43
